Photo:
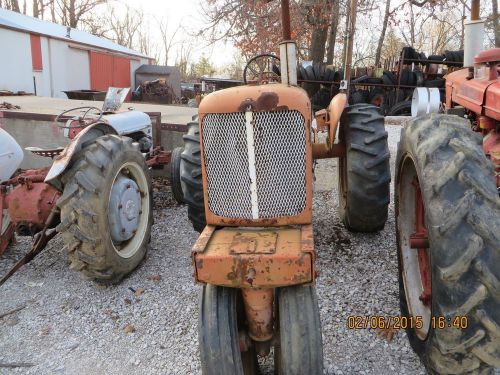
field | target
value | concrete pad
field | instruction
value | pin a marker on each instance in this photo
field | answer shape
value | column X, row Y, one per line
column 175, row 114
column 46, row 134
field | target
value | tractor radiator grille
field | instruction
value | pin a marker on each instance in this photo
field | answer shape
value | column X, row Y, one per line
column 265, row 180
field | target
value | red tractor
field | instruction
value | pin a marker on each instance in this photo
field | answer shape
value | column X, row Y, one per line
column 448, row 223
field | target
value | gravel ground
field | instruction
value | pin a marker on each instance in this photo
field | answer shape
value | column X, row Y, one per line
column 148, row 323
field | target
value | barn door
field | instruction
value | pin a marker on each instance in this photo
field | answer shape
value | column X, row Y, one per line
column 107, row 70
column 101, row 71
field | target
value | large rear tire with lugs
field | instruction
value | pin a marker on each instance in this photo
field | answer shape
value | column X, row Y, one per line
column 364, row 172
column 448, row 236
column 106, row 212
column 191, row 179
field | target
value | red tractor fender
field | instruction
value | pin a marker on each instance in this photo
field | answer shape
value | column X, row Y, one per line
column 63, row 160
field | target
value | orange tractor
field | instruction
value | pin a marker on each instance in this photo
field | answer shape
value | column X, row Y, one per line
column 448, row 219
column 246, row 173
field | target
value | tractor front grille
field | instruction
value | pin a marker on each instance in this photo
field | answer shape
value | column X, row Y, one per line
column 279, row 164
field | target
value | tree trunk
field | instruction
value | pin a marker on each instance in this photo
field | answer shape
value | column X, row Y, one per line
column 382, row 33
column 334, row 24
column 36, row 11
column 496, row 26
column 318, row 41
column 319, row 22
column 73, row 21
column 14, row 5
column 412, row 27
column 53, row 11
column 346, row 35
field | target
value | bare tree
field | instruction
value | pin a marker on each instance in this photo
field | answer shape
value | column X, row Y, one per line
column 183, row 58
column 39, row 7
column 123, row 29
column 12, row 5
column 97, row 26
column 72, row 11
column 146, row 46
column 167, row 39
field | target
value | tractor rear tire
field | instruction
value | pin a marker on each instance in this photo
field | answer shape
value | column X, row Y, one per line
column 364, row 172
column 442, row 156
column 218, row 333
column 191, row 179
column 85, row 206
column 175, row 175
column 300, row 348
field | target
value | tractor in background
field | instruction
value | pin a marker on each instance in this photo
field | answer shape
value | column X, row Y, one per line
column 448, row 218
column 96, row 193
column 246, row 174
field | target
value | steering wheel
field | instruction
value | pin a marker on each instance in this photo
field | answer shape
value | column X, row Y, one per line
column 81, row 119
column 264, row 68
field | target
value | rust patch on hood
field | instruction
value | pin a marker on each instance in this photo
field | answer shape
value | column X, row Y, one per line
column 267, row 101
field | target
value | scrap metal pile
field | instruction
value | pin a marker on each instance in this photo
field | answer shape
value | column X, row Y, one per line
column 156, row 91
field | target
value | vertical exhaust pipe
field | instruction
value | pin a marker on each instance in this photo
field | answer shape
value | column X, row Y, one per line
column 473, row 35
column 288, row 49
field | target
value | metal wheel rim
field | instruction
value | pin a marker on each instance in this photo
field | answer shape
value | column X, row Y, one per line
column 129, row 248
column 410, row 263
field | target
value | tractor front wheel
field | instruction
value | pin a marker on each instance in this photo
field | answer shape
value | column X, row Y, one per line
column 106, row 213
column 448, row 236
column 220, row 322
column 299, row 349
column 364, row 172
column 227, row 349
column 175, row 175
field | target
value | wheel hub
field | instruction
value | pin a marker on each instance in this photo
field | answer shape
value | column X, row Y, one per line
column 124, row 209
column 414, row 247
column 419, row 240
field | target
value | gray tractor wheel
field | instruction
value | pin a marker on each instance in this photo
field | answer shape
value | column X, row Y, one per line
column 364, row 172
column 106, row 211
column 191, row 180
column 175, row 175
column 448, row 238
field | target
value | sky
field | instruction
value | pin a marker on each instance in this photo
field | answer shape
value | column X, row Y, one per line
column 188, row 14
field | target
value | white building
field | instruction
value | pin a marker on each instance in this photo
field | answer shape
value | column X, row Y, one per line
column 46, row 58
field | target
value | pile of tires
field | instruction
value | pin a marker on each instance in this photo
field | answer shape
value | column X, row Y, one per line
column 410, row 55
column 448, row 56
column 319, row 72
